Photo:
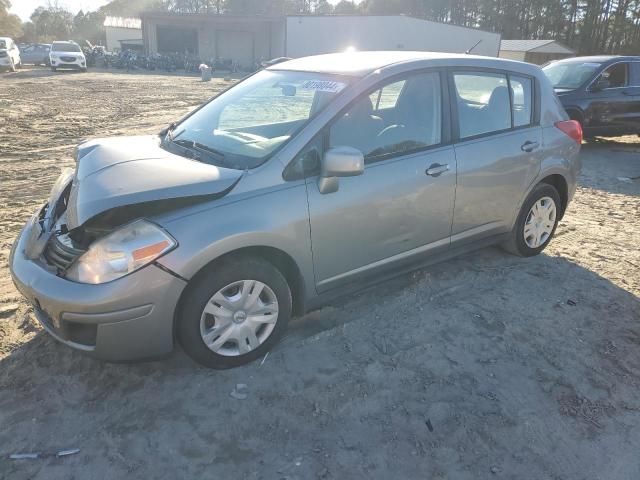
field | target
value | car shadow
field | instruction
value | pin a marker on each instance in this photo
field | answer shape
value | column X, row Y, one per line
column 433, row 286
column 542, row 337
column 501, row 341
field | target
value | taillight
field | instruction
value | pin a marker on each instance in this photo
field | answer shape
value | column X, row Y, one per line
column 572, row 128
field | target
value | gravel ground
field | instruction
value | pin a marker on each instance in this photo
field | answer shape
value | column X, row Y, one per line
column 487, row 366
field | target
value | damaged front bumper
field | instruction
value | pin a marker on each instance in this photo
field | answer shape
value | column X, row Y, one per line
column 127, row 319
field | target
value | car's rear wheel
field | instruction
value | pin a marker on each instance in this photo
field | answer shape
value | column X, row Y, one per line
column 234, row 312
column 536, row 223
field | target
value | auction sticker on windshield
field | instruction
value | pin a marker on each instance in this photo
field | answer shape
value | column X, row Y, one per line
column 323, row 86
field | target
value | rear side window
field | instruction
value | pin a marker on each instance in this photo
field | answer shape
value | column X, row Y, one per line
column 483, row 103
column 522, row 91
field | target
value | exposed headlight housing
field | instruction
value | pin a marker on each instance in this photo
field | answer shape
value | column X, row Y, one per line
column 122, row 252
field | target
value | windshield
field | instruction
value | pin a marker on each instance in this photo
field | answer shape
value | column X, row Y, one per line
column 570, row 75
column 243, row 126
column 3, row 44
column 65, row 47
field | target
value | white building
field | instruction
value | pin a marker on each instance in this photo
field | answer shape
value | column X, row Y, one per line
column 249, row 39
column 123, row 33
column 311, row 35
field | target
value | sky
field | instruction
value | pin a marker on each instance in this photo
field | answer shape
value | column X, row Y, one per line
column 24, row 8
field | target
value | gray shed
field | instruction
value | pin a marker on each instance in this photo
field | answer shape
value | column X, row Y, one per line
column 534, row 51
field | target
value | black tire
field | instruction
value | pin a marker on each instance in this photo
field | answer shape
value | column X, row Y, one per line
column 516, row 243
column 54, row 69
column 210, row 281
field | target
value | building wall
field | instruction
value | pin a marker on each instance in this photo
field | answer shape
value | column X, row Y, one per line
column 244, row 42
column 278, row 38
column 510, row 55
column 115, row 34
column 307, row 35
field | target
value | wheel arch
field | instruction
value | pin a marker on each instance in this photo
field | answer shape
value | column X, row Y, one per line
column 275, row 256
column 558, row 182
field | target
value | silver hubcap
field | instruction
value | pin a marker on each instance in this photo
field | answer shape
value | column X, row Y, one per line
column 239, row 318
column 540, row 222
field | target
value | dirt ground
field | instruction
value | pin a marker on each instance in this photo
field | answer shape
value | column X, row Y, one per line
column 487, row 366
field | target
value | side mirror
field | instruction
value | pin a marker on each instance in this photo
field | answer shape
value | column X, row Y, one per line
column 339, row 162
column 600, row 84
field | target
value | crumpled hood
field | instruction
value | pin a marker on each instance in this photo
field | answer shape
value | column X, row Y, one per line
column 122, row 171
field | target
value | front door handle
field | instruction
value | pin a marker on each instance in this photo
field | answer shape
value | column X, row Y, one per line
column 529, row 146
column 436, row 170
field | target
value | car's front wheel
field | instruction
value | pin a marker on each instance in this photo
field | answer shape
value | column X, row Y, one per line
column 234, row 312
column 536, row 223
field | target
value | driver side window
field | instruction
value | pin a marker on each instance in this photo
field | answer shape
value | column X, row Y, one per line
column 408, row 119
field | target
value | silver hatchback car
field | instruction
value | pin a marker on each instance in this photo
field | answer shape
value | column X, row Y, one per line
column 302, row 182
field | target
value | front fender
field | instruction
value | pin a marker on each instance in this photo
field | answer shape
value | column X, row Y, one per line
column 277, row 219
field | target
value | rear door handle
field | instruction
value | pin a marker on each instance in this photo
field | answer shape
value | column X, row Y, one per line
column 529, row 146
column 436, row 169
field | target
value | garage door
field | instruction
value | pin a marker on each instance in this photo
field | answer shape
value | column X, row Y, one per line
column 237, row 46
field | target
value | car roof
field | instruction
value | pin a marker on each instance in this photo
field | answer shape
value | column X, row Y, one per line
column 6, row 38
column 361, row 64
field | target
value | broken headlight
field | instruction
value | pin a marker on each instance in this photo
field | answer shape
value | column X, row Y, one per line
column 124, row 251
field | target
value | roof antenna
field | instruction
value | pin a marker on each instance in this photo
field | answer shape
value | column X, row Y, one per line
column 471, row 49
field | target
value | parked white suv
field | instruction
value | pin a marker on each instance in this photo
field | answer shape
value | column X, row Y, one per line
column 9, row 54
column 67, row 55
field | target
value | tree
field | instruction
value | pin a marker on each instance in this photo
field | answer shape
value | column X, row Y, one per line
column 10, row 25
column 52, row 23
column 89, row 26
column 345, row 7
column 323, row 7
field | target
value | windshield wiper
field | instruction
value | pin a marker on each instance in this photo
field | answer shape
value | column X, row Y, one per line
column 168, row 129
column 199, row 147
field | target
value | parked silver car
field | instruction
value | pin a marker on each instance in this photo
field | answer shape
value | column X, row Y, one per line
column 304, row 181
column 36, row 54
